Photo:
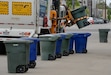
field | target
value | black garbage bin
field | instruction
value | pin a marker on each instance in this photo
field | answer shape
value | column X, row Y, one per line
column 17, row 55
column 65, row 43
column 80, row 16
column 48, row 46
column 103, row 35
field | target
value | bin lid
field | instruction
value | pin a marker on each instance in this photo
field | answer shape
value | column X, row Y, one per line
column 75, row 11
column 60, row 36
column 81, row 34
column 51, row 37
column 46, row 35
column 32, row 38
column 104, row 30
column 66, row 35
column 17, row 41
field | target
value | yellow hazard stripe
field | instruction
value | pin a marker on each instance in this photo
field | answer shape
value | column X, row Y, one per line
column 81, row 18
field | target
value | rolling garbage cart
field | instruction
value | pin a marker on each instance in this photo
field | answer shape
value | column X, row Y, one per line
column 65, row 43
column 48, row 46
column 71, row 46
column 33, row 51
column 103, row 35
column 58, row 45
column 81, row 42
column 80, row 17
column 17, row 55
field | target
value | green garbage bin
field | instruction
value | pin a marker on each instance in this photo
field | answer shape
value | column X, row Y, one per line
column 80, row 16
column 65, row 43
column 103, row 35
column 17, row 55
column 48, row 46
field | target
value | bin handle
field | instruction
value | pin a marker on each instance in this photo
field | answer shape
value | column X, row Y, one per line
column 81, row 18
column 15, row 45
column 88, row 34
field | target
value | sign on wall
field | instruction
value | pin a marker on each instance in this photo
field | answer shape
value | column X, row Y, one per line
column 4, row 7
column 22, row 8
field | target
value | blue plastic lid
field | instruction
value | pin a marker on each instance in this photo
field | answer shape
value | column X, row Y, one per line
column 81, row 34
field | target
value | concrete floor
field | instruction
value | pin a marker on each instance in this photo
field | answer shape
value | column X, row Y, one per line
column 96, row 62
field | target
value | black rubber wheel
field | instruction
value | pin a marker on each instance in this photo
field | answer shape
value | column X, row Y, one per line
column 26, row 68
column 71, row 52
column 55, row 57
column 32, row 64
column 59, row 55
column 20, row 69
column 85, row 51
column 50, row 57
column 65, row 53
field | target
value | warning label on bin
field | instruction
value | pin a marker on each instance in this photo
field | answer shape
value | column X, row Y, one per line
column 22, row 8
column 4, row 7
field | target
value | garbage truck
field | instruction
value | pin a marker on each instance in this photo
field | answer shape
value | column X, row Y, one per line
column 29, row 18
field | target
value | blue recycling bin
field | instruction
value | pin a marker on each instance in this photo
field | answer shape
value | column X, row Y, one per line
column 33, row 51
column 58, row 45
column 71, row 44
column 81, row 42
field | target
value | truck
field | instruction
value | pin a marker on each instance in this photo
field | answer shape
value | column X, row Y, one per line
column 26, row 18
column 23, row 18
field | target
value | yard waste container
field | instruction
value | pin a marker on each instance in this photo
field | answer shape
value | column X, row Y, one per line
column 65, row 44
column 33, row 51
column 81, row 42
column 48, row 46
column 103, row 35
column 58, row 45
column 80, row 17
column 17, row 55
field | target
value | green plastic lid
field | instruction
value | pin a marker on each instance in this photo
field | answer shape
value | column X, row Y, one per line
column 17, row 41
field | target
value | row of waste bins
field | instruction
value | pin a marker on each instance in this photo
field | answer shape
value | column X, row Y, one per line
column 56, row 45
column 22, row 53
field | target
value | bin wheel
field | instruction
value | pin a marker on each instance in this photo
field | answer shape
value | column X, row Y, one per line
column 59, row 55
column 20, row 69
column 32, row 64
column 50, row 57
column 65, row 53
column 26, row 68
column 71, row 52
column 85, row 51
column 55, row 57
